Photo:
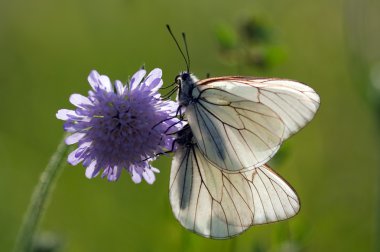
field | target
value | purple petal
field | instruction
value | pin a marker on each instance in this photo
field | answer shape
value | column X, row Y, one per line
column 153, row 81
column 119, row 87
column 155, row 84
column 93, row 79
column 105, row 83
column 155, row 169
column 74, row 138
column 115, row 174
column 72, row 127
column 87, row 161
column 106, row 171
column 136, row 79
column 149, row 176
column 73, row 159
column 154, row 74
column 64, row 114
column 92, row 170
column 79, row 100
column 173, row 126
column 136, row 177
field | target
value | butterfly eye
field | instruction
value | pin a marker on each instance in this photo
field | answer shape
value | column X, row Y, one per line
column 185, row 76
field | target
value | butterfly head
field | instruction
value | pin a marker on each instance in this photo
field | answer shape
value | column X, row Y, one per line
column 185, row 76
column 186, row 82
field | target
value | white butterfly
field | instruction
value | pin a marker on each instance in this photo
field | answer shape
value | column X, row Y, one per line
column 218, row 204
column 219, row 183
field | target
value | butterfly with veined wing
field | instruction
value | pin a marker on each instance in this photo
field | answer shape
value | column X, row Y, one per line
column 219, row 182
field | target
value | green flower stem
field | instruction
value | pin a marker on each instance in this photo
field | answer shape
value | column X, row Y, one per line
column 39, row 198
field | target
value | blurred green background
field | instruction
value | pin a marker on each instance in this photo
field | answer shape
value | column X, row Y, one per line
column 47, row 49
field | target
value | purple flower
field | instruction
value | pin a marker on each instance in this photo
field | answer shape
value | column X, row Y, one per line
column 120, row 127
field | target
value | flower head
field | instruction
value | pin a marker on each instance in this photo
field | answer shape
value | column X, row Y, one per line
column 120, row 126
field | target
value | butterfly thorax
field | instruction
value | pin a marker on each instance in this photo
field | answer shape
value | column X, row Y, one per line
column 185, row 137
column 186, row 82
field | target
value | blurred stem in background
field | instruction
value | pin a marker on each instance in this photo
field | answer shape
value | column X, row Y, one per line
column 38, row 202
column 361, row 20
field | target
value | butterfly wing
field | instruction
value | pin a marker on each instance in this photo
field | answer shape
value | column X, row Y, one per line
column 216, row 204
column 239, row 122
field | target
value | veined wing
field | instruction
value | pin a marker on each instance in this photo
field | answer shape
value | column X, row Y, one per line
column 216, row 204
column 240, row 123
column 295, row 103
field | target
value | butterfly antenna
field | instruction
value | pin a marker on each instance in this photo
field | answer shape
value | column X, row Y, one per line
column 169, row 86
column 187, row 51
column 179, row 48
column 170, row 93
